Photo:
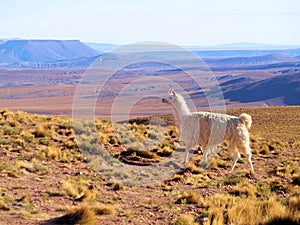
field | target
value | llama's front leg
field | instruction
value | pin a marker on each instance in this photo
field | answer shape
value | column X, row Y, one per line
column 206, row 152
column 186, row 158
column 206, row 155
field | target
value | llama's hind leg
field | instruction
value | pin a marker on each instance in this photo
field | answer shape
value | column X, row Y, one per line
column 247, row 150
column 249, row 154
column 236, row 157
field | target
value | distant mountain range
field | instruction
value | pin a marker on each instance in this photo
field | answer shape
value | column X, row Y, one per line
column 56, row 53
column 42, row 51
column 106, row 47
column 268, row 76
column 243, row 46
column 254, row 60
column 73, row 53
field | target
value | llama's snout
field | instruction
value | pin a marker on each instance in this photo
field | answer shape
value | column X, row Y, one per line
column 164, row 100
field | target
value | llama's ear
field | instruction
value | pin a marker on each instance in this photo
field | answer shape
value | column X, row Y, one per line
column 171, row 92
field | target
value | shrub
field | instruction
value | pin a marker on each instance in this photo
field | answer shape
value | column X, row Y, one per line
column 55, row 153
column 244, row 189
column 231, row 180
column 296, row 179
column 263, row 189
column 265, row 149
column 43, row 130
column 193, row 168
column 186, row 219
column 144, row 154
column 189, row 198
column 82, row 215
column 78, row 189
column 7, row 130
column 101, row 209
column 165, row 151
column 224, row 209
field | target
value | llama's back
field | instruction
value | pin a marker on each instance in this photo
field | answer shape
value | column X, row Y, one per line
column 204, row 127
column 222, row 126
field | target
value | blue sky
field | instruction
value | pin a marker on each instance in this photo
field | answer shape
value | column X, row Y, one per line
column 183, row 22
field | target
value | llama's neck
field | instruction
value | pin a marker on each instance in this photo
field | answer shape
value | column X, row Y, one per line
column 181, row 107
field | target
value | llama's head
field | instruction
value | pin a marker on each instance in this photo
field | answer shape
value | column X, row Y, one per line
column 177, row 102
column 171, row 99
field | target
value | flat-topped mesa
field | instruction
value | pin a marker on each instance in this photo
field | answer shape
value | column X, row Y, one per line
column 42, row 51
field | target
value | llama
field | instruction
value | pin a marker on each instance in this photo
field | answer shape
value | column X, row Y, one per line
column 211, row 129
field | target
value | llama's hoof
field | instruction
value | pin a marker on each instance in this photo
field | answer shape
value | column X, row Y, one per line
column 251, row 174
column 228, row 173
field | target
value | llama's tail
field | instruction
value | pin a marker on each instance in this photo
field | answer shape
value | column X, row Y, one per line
column 246, row 119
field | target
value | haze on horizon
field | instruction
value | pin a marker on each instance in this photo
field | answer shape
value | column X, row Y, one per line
column 193, row 22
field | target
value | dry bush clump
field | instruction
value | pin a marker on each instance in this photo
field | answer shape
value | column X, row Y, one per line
column 225, row 209
column 296, row 179
column 78, row 189
column 44, row 129
column 231, row 179
column 9, row 170
column 194, row 169
column 116, row 186
column 185, row 219
column 82, row 215
column 189, row 198
column 244, row 189
column 102, row 209
column 4, row 200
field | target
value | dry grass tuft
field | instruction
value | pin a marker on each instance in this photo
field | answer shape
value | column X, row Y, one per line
column 294, row 204
column 78, row 189
column 224, row 209
column 231, row 179
column 185, row 219
column 54, row 153
column 44, row 130
column 189, row 198
column 117, row 186
column 3, row 205
column 102, row 209
column 194, row 169
column 296, row 179
column 244, row 189
column 83, row 216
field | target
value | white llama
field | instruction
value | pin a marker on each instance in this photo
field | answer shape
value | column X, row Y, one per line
column 211, row 129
